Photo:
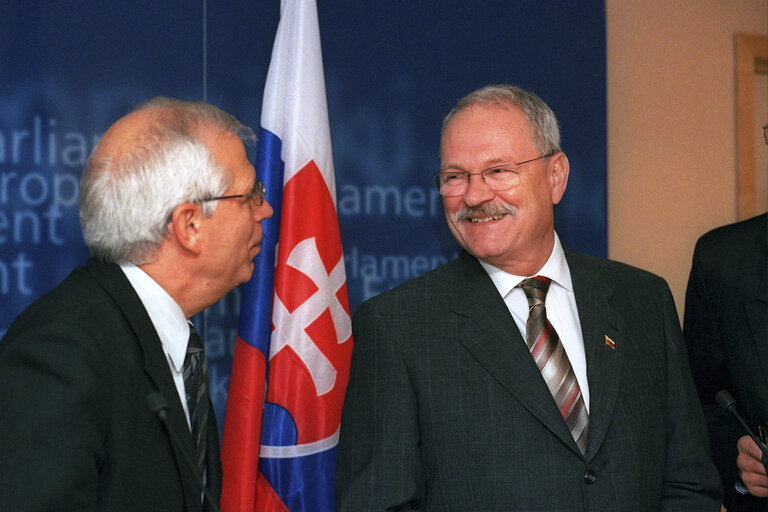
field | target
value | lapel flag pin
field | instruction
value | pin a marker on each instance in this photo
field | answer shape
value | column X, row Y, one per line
column 610, row 342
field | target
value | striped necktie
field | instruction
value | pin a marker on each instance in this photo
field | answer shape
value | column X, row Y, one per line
column 195, row 373
column 553, row 363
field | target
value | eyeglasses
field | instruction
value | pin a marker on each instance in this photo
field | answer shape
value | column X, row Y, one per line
column 455, row 183
column 257, row 195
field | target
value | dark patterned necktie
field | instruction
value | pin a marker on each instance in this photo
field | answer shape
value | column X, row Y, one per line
column 195, row 374
column 550, row 357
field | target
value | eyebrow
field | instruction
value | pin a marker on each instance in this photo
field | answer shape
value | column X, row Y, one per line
column 496, row 162
column 254, row 186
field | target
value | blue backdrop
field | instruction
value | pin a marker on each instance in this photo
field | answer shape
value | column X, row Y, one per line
column 393, row 70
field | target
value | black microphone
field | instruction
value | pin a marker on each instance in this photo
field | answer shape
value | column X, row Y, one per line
column 158, row 405
column 726, row 401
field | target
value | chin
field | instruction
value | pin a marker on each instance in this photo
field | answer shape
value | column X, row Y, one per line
column 486, row 253
column 247, row 275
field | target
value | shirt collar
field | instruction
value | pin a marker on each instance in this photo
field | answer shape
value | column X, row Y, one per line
column 170, row 323
column 556, row 268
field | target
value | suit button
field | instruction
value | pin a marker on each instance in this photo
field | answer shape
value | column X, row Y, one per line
column 590, row 477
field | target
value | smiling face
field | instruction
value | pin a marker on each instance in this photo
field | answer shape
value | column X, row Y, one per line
column 235, row 227
column 510, row 229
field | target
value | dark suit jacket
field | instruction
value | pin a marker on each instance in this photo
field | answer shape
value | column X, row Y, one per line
column 726, row 325
column 75, row 432
column 446, row 409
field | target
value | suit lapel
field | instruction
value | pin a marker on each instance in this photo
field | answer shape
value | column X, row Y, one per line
column 155, row 366
column 602, row 330
column 488, row 331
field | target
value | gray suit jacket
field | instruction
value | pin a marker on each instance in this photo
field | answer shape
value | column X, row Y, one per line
column 75, row 431
column 446, row 410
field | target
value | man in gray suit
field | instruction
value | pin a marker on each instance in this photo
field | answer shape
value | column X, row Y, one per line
column 521, row 375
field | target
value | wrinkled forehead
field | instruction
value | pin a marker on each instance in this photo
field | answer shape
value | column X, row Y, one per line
column 481, row 124
column 229, row 153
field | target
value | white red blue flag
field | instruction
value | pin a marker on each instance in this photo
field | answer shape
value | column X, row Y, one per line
column 291, row 360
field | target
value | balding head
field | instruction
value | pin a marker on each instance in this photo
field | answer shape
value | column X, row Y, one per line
column 126, row 134
column 541, row 120
column 147, row 163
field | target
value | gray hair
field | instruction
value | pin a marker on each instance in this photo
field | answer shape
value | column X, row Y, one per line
column 541, row 119
column 127, row 197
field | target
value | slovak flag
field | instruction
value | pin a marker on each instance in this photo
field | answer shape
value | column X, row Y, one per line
column 291, row 360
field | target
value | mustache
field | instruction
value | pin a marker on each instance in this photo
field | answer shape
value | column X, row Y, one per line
column 486, row 210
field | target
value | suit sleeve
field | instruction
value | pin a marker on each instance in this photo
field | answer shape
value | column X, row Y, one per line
column 710, row 371
column 51, row 389
column 701, row 334
column 690, row 479
column 379, row 464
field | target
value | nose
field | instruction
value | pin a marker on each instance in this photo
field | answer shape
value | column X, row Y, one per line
column 263, row 211
column 477, row 191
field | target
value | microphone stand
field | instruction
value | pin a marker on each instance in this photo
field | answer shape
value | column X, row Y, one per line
column 159, row 406
column 726, row 401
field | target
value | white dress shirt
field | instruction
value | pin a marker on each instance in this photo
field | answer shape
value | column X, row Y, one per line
column 170, row 323
column 560, row 303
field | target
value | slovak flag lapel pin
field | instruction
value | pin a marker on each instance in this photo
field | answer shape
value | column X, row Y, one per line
column 610, row 342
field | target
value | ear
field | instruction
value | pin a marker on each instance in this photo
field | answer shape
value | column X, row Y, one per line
column 186, row 227
column 558, row 175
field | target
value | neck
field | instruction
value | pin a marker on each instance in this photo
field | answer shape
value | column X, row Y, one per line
column 177, row 284
column 527, row 264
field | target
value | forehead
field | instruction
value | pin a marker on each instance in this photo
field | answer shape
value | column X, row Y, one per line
column 229, row 152
column 487, row 126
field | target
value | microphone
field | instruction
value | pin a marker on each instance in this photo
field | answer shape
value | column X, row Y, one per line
column 726, row 401
column 158, row 405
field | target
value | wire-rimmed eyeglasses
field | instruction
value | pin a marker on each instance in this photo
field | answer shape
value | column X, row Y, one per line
column 257, row 195
column 498, row 177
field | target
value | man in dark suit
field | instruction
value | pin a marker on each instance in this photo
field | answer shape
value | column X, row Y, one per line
column 446, row 409
column 170, row 208
column 725, row 326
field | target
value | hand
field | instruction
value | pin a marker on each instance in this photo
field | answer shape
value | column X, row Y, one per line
column 751, row 469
